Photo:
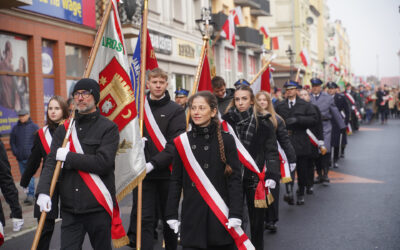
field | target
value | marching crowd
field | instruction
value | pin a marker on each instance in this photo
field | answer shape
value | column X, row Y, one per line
column 205, row 183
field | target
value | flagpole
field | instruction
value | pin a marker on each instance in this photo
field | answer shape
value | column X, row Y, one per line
column 86, row 74
column 264, row 68
column 143, row 51
column 297, row 74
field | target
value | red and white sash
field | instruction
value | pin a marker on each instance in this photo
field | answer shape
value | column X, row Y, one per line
column 98, row 189
column 152, row 128
column 248, row 161
column 208, row 191
column 353, row 103
column 1, row 234
column 313, row 139
column 285, row 170
column 45, row 138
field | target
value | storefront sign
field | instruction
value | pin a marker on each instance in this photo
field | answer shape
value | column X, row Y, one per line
column 77, row 11
column 161, row 43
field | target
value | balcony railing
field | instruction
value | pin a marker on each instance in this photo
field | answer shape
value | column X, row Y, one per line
column 249, row 37
column 263, row 10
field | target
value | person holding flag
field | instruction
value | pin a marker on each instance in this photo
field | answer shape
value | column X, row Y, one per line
column 87, row 182
column 256, row 133
column 164, row 120
column 206, row 166
column 288, row 157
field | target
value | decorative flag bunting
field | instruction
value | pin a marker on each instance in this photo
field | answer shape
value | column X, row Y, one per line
column 228, row 29
column 265, row 31
column 304, row 57
column 275, row 43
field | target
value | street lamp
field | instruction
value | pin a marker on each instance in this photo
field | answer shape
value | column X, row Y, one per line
column 204, row 22
column 290, row 54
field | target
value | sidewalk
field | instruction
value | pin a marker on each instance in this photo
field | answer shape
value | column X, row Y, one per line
column 30, row 223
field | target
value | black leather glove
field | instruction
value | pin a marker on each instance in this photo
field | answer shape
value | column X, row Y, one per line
column 291, row 120
column 343, row 130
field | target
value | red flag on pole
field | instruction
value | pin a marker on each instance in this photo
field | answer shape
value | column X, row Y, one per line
column 205, row 76
column 262, row 82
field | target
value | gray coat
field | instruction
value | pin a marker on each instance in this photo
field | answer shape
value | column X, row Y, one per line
column 329, row 114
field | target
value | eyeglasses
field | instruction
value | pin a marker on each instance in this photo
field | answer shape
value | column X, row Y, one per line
column 85, row 94
column 200, row 108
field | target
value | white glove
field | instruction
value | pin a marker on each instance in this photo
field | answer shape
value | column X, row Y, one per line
column 149, row 167
column 321, row 143
column 144, row 139
column 44, row 202
column 62, row 153
column 174, row 225
column 292, row 166
column 270, row 183
column 233, row 223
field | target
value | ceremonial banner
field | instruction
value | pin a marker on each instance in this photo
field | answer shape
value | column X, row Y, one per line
column 205, row 76
column 117, row 103
column 262, row 82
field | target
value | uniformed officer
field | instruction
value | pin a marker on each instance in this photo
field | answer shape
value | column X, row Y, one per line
column 241, row 82
column 181, row 97
column 339, row 136
column 329, row 114
column 298, row 116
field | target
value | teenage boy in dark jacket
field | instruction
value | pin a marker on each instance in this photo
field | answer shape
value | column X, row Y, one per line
column 171, row 122
column 98, row 138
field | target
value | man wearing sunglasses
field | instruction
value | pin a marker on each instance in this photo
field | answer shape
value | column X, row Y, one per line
column 98, row 138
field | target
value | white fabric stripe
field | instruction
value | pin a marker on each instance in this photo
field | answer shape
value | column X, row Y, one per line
column 350, row 98
column 1, row 229
column 47, row 135
column 207, row 183
column 284, row 157
column 312, row 136
column 153, row 123
column 95, row 177
column 242, row 149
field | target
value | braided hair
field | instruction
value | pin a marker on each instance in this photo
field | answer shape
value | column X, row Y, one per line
column 213, row 103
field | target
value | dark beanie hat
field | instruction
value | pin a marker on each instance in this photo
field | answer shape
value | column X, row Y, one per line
column 90, row 85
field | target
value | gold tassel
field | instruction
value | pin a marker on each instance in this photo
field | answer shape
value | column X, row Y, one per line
column 118, row 243
column 286, row 179
column 131, row 186
column 270, row 199
column 260, row 204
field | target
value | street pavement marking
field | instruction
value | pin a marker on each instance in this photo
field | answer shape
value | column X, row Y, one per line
column 370, row 129
column 337, row 177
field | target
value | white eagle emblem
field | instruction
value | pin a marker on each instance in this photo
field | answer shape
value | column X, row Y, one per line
column 106, row 107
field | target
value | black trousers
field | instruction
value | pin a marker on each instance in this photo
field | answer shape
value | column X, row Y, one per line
column 47, row 233
column 224, row 247
column 304, row 170
column 75, row 226
column 154, row 192
column 256, row 215
column 322, row 164
column 272, row 212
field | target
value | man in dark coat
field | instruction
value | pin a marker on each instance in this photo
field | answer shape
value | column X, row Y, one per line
column 99, row 139
column 223, row 94
column 9, row 191
column 354, row 122
column 171, row 121
column 298, row 116
column 339, row 136
column 21, row 141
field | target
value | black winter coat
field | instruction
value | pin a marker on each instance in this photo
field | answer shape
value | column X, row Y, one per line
column 223, row 103
column 306, row 117
column 200, row 227
column 263, row 148
column 99, row 138
column 283, row 139
column 171, row 120
column 21, row 139
column 38, row 153
column 343, row 107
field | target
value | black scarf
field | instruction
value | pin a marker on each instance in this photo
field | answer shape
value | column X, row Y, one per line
column 245, row 124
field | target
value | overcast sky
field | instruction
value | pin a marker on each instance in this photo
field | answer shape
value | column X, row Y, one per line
column 373, row 27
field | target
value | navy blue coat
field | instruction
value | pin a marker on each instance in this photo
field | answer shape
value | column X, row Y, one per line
column 21, row 139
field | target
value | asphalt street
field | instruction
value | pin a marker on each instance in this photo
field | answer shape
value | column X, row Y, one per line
column 360, row 209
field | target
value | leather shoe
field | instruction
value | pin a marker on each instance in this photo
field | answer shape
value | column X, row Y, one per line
column 289, row 198
column 310, row 190
column 335, row 165
column 300, row 200
column 271, row 227
column 318, row 180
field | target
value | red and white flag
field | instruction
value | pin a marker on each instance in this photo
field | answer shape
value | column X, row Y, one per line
column 228, row 29
column 117, row 103
column 265, row 31
column 334, row 64
column 262, row 82
column 305, row 57
column 275, row 42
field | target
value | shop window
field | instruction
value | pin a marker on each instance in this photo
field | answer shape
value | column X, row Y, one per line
column 183, row 81
column 48, row 72
column 14, row 81
column 76, row 59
